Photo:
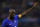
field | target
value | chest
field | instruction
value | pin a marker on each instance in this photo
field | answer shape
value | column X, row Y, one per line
column 13, row 23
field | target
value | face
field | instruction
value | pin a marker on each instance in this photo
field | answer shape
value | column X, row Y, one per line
column 12, row 14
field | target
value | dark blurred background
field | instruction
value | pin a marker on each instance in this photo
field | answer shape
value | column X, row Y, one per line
column 32, row 19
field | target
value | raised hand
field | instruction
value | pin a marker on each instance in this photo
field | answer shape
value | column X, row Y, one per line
column 35, row 4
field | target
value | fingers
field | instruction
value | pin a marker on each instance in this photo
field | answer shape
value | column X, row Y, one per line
column 36, row 3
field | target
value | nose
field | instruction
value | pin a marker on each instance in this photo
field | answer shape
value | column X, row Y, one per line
column 13, row 14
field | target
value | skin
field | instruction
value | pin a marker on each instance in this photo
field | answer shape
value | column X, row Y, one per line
column 11, row 15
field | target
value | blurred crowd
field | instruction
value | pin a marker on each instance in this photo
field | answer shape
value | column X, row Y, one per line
column 21, row 6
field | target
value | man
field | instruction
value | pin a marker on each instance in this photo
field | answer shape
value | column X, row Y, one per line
column 12, row 20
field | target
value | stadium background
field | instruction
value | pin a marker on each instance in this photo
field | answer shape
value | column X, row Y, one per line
column 32, row 19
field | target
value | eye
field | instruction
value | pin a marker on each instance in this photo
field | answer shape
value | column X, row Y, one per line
column 13, row 14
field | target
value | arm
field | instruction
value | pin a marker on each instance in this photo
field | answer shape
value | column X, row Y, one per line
column 27, row 11
column 3, row 24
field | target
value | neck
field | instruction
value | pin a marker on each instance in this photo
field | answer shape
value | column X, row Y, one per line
column 10, row 18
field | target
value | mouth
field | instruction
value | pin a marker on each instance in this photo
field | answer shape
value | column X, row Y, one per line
column 11, row 17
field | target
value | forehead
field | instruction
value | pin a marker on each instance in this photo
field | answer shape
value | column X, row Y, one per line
column 11, row 10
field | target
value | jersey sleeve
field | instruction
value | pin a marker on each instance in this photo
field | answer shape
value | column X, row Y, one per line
column 4, row 24
column 18, row 16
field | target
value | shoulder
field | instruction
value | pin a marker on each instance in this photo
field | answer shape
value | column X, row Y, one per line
column 5, row 20
column 4, row 23
column 16, row 15
column 19, row 16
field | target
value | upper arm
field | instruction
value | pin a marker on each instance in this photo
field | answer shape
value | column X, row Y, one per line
column 18, row 16
column 4, row 24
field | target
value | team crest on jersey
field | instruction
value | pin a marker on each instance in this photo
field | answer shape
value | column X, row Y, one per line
column 9, row 24
column 15, row 21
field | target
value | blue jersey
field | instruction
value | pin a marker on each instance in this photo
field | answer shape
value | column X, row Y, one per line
column 11, row 23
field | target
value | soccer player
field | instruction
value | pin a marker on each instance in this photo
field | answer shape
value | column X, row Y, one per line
column 12, row 20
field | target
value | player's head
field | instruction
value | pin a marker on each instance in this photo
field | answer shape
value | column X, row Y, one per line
column 11, row 13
